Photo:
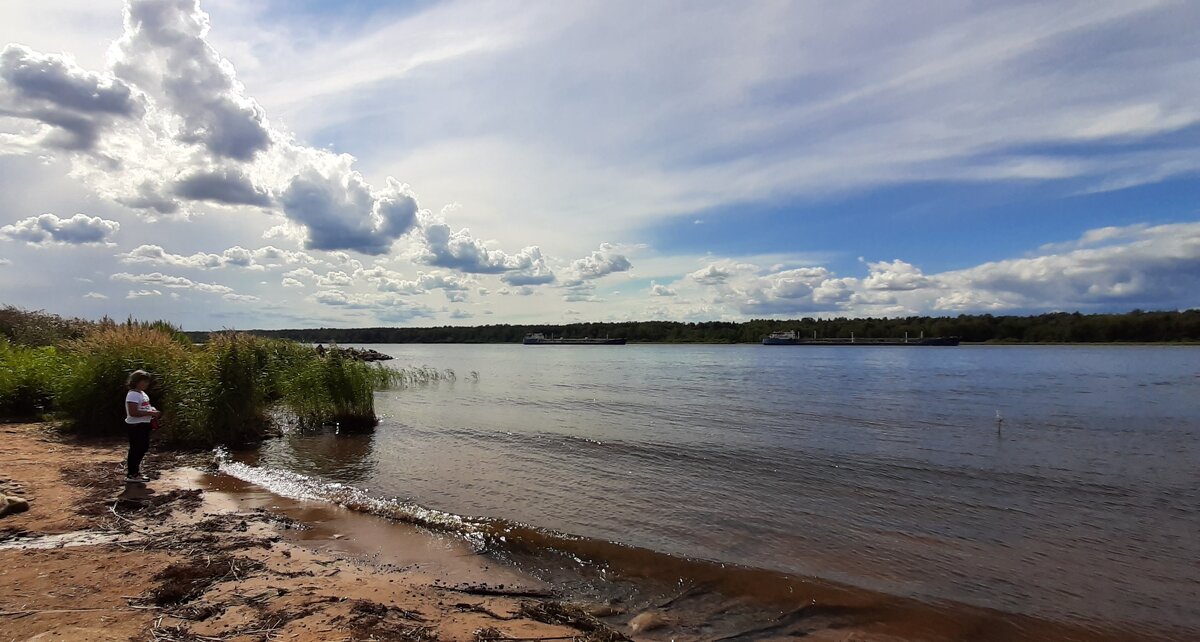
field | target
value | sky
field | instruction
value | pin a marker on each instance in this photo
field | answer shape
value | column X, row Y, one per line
column 276, row 164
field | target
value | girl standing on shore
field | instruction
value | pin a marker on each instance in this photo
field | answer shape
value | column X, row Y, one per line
column 139, row 419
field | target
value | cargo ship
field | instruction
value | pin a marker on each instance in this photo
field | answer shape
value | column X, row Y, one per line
column 790, row 338
column 539, row 339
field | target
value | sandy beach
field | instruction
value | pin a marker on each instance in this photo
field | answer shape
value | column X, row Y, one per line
column 91, row 561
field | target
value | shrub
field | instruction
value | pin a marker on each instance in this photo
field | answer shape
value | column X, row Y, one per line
column 38, row 328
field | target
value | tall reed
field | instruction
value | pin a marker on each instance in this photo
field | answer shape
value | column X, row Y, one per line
column 226, row 391
column 28, row 378
column 92, row 388
column 331, row 389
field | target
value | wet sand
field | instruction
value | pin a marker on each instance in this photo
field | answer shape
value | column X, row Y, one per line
column 209, row 557
column 181, row 563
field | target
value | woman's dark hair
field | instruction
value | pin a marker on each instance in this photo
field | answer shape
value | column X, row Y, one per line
column 136, row 377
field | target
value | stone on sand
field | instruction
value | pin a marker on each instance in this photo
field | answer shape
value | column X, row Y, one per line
column 647, row 621
column 10, row 504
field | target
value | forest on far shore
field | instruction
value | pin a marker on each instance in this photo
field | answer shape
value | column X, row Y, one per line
column 1060, row 327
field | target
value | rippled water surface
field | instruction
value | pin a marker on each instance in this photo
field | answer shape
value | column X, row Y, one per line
column 883, row 468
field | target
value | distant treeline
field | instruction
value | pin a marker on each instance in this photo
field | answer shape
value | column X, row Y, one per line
column 1136, row 326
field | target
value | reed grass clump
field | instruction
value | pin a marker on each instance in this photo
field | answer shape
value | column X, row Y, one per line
column 332, row 389
column 93, row 385
column 28, row 378
column 226, row 391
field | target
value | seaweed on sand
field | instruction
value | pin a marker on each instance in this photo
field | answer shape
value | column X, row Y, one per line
column 550, row 612
column 184, row 581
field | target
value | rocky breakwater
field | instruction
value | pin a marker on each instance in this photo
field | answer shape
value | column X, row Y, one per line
column 358, row 354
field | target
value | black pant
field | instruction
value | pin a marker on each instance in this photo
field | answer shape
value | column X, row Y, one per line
column 139, row 443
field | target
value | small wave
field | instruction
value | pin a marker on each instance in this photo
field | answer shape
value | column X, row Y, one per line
column 298, row 486
column 610, row 560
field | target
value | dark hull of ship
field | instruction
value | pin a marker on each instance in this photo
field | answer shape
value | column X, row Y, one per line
column 574, row 342
column 935, row 341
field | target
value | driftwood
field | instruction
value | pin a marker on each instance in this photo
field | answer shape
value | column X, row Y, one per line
column 488, row 590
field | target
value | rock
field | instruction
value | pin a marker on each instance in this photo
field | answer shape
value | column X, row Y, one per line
column 647, row 621
column 10, row 505
column 603, row 610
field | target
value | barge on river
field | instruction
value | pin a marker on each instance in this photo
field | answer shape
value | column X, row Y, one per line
column 790, row 338
column 539, row 339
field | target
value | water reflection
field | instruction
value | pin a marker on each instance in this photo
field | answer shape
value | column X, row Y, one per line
column 324, row 452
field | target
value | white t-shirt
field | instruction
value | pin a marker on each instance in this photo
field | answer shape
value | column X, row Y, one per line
column 143, row 404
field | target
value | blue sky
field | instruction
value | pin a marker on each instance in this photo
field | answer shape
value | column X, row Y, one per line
column 281, row 164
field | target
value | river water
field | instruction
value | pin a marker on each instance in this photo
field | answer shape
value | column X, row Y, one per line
column 1056, row 482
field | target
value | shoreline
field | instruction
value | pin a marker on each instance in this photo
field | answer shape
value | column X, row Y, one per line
column 311, row 570
column 92, row 561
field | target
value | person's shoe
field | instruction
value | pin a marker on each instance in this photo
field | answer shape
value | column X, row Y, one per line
column 136, row 479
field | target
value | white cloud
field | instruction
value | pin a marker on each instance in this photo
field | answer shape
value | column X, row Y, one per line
column 601, row 262
column 168, row 124
column 70, row 107
column 332, row 297
column 237, row 256
column 896, row 275
column 48, row 228
column 335, row 279
column 658, row 289
column 167, row 281
column 95, row 295
column 339, row 210
column 459, row 250
column 141, row 294
column 1135, row 266
column 164, row 53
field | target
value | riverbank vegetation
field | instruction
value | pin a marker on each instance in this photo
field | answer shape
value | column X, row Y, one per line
column 234, row 388
column 1061, row 327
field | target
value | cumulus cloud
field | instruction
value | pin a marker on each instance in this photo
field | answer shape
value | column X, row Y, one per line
column 69, row 106
column 530, row 269
column 164, row 53
column 227, row 186
column 385, row 307
column 335, row 279
column 1135, row 266
column 601, row 262
column 95, row 295
column 459, row 250
column 141, row 294
column 167, row 281
column 48, row 228
column 897, row 275
column 339, row 210
column 168, row 123
column 236, row 256
column 658, row 289
column 454, row 286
